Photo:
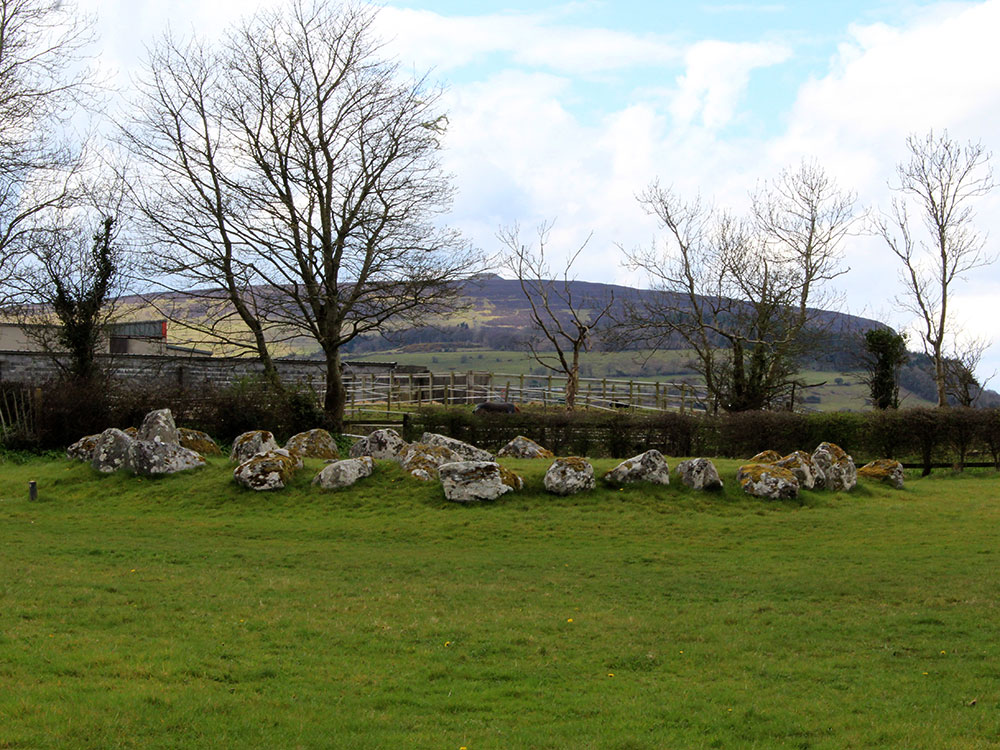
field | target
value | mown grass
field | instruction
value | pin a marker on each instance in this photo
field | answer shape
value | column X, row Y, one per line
column 184, row 612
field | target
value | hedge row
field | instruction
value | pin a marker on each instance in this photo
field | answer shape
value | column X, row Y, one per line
column 927, row 436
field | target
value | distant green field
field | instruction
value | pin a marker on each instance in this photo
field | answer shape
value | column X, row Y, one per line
column 186, row 613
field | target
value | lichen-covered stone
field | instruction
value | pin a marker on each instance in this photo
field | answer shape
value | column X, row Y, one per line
column 474, row 481
column 465, row 451
column 313, row 444
column 422, row 460
column 339, row 474
column 522, row 447
column 111, row 451
column 198, row 441
column 83, row 449
column 768, row 481
column 569, row 475
column 380, row 445
column 249, row 444
column 839, row 472
column 263, row 472
column 158, row 427
column 884, row 470
column 650, row 466
column 805, row 469
column 765, row 457
column 147, row 458
column 699, row 474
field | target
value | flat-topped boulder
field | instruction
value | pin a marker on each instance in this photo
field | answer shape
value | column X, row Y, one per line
column 339, row 474
column 569, row 475
column 768, row 481
column 422, row 460
column 250, row 443
column 263, row 472
column 111, row 451
column 650, row 467
column 148, row 458
column 699, row 474
column 839, row 472
column 885, row 470
column 380, row 445
column 477, row 481
column 805, row 469
column 522, row 447
column 199, row 442
column 465, row 451
column 158, row 427
column 317, row 443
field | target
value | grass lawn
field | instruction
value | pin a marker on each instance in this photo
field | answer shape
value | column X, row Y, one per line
column 185, row 612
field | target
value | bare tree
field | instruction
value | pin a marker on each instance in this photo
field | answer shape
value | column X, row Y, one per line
column 297, row 168
column 942, row 178
column 563, row 319
column 740, row 292
column 42, row 86
column 961, row 383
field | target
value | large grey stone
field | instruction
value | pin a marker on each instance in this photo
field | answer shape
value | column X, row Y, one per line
column 805, row 469
column 266, row 471
column 148, row 458
column 317, row 443
column 380, row 444
column 339, row 474
column 476, row 481
column 522, row 447
column 464, row 450
column 83, row 449
column 885, row 470
column 567, row 476
column 839, row 472
column 111, row 451
column 249, row 444
column 422, row 460
column 650, row 466
column 699, row 474
column 768, row 481
column 158, row 427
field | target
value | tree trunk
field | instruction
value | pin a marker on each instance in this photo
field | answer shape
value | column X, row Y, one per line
column 572, row 383
column 335, row 397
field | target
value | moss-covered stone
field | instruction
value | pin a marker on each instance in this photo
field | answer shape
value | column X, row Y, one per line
column 198, row 441
column 884, row 470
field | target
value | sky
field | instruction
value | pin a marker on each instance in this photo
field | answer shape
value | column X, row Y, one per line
column 563, row 112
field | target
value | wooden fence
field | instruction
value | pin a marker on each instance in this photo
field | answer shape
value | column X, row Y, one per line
column 17, row 408
column 391, row 391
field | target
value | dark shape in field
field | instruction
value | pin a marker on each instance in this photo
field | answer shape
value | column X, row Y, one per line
column 496, row 407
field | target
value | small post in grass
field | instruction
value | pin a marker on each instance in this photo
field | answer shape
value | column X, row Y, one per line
column 32, row 490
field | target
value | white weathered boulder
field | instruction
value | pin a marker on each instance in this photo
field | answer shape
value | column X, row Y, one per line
column 111, row 451
column 805, row 469
column 699, row 474
column 476, row 481
column 522, row 447
column 83, row 449
column 884, row 470
column 839, row 472
column 148, row 458
column 339, row 474
column 464, row 451
column 567, row 476
column 422, row 460
column 158, row 427
column 317, row 443
column 249, row 444
column 380, row 445
column 650, row 466
column 768, row 481
column 266, row 471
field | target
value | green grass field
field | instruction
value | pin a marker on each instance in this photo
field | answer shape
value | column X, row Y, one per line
column 185, row 612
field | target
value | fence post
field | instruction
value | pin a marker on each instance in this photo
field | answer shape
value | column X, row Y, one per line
column 521, row 388
column 683, row 396
column 604, row 391
column 450, row 393
column 588, row 394
column 631, row 392
column 388, row 396
column 469, row 385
